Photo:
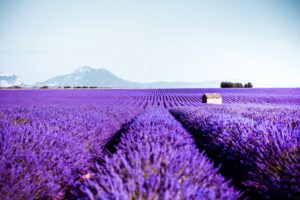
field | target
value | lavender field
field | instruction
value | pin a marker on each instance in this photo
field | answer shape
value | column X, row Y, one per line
column 149, row 144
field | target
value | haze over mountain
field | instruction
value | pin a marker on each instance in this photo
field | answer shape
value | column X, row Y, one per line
column 8, row 80
column 87, row 76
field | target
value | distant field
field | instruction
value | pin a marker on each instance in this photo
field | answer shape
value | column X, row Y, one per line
column 143, row 98
column 149, row 144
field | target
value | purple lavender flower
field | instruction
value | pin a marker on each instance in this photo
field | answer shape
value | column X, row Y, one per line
column 261, row 156
column 156, row 159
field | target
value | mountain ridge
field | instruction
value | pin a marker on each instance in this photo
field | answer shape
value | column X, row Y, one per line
column 87, row 76
column 101, row 77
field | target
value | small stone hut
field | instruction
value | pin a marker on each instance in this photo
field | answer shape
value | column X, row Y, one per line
column 212, row 98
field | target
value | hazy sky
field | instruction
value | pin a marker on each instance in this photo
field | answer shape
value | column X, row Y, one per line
column 164, row 40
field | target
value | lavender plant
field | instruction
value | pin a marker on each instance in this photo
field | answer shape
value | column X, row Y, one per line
column 262, row 158
column 44, row 150
column 156, row 159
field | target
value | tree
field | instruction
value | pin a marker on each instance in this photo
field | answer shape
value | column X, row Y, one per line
column 236, row 85
column 248, row 85
column 231, row 85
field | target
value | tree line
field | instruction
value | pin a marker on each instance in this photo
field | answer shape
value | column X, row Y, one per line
column 236, row 85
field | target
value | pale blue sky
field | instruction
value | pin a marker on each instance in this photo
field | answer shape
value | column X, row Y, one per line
column 163, row 40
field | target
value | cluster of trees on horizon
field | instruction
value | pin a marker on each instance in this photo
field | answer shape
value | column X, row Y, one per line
column 223, row 85
column 236, row 85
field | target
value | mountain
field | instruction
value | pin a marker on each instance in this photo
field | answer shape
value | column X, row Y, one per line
column 87, row 76
column 8, row 80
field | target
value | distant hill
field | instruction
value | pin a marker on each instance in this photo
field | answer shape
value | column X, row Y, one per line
column 8, row 80
column 87, row 76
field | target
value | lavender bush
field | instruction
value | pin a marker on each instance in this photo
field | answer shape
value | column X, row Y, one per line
column 156, row 159
column 44, row 150
column 260, row 156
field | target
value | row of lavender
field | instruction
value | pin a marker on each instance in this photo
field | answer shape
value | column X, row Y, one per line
column 156, row 159
column 257, row 146
column 49, row 152
column 162, row 98
column 51, row 139
column 45, row 149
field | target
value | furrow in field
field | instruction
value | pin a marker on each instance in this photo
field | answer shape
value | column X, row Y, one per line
column 43, row 150
column 261, row 156
column 155, row 158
